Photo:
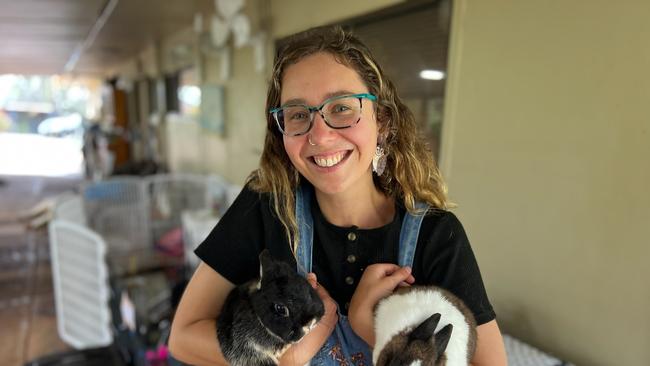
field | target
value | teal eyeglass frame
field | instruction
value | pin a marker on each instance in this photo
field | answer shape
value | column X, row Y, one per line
column 319, row 109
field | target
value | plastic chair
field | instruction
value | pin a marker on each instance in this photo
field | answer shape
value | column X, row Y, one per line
column 71, row 209
column 81, row 289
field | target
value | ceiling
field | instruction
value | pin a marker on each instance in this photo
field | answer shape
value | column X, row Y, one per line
column 407, row 39
column 41, row 36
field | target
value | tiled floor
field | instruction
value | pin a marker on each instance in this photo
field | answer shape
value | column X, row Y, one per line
column 27, row 314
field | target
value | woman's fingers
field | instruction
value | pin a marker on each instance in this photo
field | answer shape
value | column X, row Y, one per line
column 330, row 317
column 402, row 275
column 320, row 290
column 381, row 270
column 389, row 276
column 311, row 278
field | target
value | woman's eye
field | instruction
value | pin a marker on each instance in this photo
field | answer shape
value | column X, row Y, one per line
column 340, row 108
column 281, row 310
column 299, row 117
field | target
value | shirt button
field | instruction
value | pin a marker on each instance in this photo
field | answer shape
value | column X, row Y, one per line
column 351, row 258
column 352, row 236
column 349, row 280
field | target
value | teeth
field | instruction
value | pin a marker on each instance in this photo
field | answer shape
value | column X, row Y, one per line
column 330, row 160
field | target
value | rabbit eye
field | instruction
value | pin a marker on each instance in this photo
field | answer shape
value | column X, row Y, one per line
column 281, row 310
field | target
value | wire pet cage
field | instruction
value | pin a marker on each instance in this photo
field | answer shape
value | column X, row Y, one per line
column 171, row 195
column 118, row 209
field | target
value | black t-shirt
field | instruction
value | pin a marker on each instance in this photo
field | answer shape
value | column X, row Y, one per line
column 443, row 256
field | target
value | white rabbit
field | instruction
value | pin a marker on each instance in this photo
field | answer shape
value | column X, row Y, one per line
column 423, row 326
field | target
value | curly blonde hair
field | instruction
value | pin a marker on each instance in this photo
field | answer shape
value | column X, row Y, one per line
column 411, row 173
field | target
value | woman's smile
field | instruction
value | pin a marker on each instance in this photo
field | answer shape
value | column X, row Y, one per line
column 331, row 159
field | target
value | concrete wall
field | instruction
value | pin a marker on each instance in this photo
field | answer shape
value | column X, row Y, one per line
column 546, row 147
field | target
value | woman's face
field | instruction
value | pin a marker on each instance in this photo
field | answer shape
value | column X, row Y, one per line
column 311, row 81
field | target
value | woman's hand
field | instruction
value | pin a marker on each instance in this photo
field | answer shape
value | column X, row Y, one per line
column 303, row 351
column 330, row 318
column 378, row 281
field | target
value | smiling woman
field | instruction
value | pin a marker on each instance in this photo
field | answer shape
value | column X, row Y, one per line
column 346, row 150
column 322, row 202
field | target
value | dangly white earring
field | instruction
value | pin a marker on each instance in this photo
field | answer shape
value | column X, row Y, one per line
column 379, row 161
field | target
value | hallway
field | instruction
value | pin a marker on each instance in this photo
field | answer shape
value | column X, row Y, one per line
column 27, row 311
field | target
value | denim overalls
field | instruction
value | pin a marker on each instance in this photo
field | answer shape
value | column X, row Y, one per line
column 344, row 347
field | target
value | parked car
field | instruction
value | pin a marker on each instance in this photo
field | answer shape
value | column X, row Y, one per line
column 61, row 125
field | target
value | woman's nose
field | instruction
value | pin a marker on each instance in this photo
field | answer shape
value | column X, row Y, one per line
column 320, row 131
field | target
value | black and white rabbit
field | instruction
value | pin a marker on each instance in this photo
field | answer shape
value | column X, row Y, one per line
column 261, row 318
column 423, row 326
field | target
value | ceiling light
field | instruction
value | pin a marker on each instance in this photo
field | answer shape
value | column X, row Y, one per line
column 432, row 74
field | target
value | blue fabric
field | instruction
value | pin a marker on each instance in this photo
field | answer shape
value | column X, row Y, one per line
column 408, row 236
column 344, row 347
column 305, row 229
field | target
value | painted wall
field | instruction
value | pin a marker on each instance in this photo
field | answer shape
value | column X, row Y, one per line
column 290, row 16
column 546, row 147
column 237, row 153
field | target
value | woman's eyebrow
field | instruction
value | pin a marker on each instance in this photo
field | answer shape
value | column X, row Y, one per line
column 327, row 96
column 338, row 93
column 294, row 101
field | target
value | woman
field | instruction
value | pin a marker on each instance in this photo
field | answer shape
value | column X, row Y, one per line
column 342, row 174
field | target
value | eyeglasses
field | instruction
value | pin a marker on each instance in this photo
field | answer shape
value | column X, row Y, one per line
column 338, row 112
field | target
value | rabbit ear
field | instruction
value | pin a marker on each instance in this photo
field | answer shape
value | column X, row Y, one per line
column 425, row 330
column 394, row 362
column 442, row 338
column 266, row 262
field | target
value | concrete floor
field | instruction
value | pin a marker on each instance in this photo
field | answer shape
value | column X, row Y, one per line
column 27, row 313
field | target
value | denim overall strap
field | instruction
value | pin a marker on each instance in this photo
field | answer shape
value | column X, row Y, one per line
column 305, row 229
column 408, row 236
column 344, row 347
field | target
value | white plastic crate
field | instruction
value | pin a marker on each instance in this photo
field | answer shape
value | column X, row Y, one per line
column 196, row 227
column 81, row 290
column 522, row 354
column 232, row 192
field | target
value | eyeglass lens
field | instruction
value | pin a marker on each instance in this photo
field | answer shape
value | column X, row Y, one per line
column 338, row 113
